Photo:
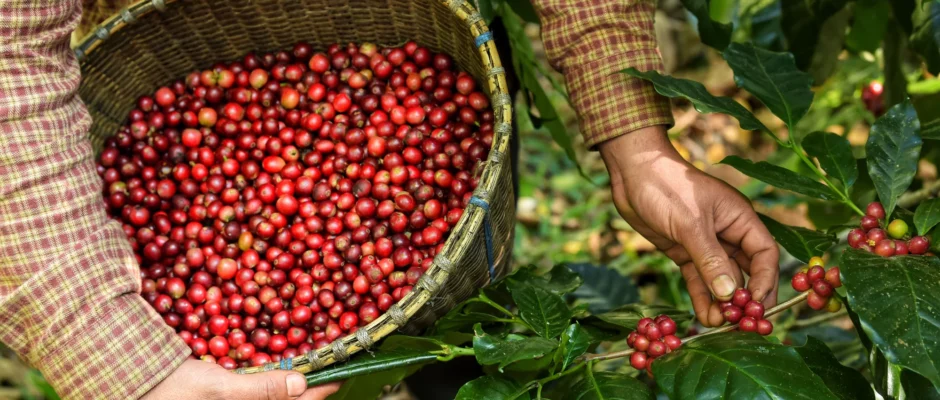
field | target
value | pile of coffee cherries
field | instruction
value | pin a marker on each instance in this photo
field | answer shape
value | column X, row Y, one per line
column 651, row 339
column 281, row 201
column 746, row 312
column 822, row 282
column 890, row 241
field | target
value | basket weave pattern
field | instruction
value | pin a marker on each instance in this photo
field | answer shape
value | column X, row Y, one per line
column 153, row 42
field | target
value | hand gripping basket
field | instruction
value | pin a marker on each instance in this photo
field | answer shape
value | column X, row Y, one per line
column 154, row 42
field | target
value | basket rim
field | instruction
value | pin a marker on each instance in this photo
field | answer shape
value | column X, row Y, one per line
column 470, row 223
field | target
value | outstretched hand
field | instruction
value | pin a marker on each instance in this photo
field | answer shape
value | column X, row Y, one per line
column 706, row 226
column 196, row 379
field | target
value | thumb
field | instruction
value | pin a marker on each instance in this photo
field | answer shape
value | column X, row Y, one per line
column 280, row 385
column 712, row 263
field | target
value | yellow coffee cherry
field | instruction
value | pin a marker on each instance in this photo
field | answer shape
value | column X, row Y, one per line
column 816, row 261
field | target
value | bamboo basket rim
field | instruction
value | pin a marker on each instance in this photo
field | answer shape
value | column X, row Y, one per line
column 475, row 216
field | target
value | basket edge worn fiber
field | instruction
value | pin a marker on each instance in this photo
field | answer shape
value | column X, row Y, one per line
column 477, row 230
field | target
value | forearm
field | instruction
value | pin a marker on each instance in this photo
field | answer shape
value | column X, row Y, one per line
column 69, row 282
column 589, row 41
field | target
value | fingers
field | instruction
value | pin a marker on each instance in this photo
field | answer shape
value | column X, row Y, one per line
column 759, row 247
column 321, row 392
column 711, row 261
column 279, row 385
column 707, row 312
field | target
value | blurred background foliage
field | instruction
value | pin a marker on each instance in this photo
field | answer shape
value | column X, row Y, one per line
column 565, row 213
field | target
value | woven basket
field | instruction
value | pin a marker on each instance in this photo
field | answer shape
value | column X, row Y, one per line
column 154, row 42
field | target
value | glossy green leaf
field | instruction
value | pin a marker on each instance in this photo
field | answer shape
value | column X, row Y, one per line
column 713, row 33
column 926, row 36
column 869, row 24
column 546, row 312
column 834, row 154
column 560, row 280
column 524, row 9
column 492, row 350
column 397, row 353
column 772, row 78
column 801, row 243
column 487, row 10
column 802, row 24
column 766, row 31
column 608, row 386
column 702, row 100
column 574, row 342
column 928, row 112
column 897, row 300
column 629, row 315
column 918, row 387
column 927, row 216
column 492, row 388
column 780, row 177
column 462, row 321
column 603, row 288
column 846, row 383
column 893, row 148
column 737, row 365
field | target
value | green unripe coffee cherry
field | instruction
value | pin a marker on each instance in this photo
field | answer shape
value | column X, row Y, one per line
column 897, row 229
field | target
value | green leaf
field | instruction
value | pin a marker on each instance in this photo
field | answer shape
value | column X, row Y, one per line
column 766, row 31
column 714, row 34
column 491, row 350
column 524, row 9
column 702, row 100
column 780, row 177
column 491, row 388
column 918, row 387
column 737, row 365
column 869, row 24
column 893, row 148
column 801, row 243
column 397, row 353
column 627, row 316
column 574, row 342
column 608, row 386
column 544, row 311
column 927, row 216
column 603, row 288
column 462, row 321
column 487, row 11
column 897, row 300
column 802, row 24
column 560, row 280
column 928, row 112
column 926, row 36
column 834, row 154
column 844, row 382
column 773, row 78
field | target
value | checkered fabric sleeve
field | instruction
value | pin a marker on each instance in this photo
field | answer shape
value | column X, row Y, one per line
column 69, row 282
column 589, row 41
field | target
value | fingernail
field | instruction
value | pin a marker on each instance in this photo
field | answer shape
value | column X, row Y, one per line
column 296, row 385
column 723, row 286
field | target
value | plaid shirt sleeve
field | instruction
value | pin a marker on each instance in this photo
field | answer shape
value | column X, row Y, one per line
column 589, row 41
column 69, row 282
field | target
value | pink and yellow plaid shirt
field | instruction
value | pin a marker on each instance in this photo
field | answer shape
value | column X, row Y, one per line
column 69, row 283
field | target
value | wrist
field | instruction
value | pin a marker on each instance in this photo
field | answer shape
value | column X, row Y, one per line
column 637, row 150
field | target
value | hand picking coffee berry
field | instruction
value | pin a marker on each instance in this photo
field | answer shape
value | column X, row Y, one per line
column 651, row 339
column 746, row 312
column 822, row 282
column 284, row 200
column 893, row 240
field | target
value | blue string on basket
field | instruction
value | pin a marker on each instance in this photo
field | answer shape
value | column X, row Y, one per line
column 483, row 38
column 287, row 363
column 487, row 233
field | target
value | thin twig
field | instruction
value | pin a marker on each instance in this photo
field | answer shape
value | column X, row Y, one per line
column 727, row 328
column 913, row 198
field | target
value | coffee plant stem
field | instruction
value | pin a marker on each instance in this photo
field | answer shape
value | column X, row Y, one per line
column 798, row 149
column 911, row 199
column 486, row 300
column 449, row 352
column 541, row 382
column 801, row 323
column 727, row 328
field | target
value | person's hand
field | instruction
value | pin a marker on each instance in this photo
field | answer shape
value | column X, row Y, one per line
column 196, row 379
column 707, row 227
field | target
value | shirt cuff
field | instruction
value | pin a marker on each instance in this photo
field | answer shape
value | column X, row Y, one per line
column 611, row 104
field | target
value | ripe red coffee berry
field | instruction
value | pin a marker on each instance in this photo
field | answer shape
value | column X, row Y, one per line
column 638, row 360
column 748, row 324
column 856, row 237
column 754, row 310
column 815, row 273
column 833, row 277
column 641, row 343
column 815, row 301
column 822, row 288
column 653, row 333
column 657, row 349
column 732, row 314
column 876, row 236
column 631, row 338
column 869, row 222
column 672, row 342
column 918, row 245
column 875, row 209
column 741, row 297
column 885, row 248
column 900, row 248
column 667, row 326
column 800, row 282
column 642, row 324
column 764, row 327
